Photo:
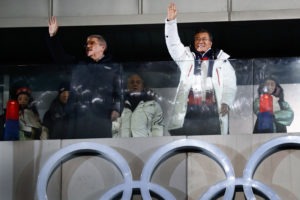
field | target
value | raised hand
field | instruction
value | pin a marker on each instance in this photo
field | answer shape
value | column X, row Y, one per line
column 172, row 12
column 224, row 109
column 53, row 26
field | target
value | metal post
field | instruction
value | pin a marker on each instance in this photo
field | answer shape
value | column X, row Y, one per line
column 229, row 9
column 50, row 11
column 140, row 7
column 5, row 90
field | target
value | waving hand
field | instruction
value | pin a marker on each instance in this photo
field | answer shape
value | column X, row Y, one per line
column 53, row 26
column 172, row 12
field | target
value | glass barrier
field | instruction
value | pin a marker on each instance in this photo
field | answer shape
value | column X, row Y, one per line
column 150, row 99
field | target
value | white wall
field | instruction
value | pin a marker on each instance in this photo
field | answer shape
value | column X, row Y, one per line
column 32, row 13
column 185, row 175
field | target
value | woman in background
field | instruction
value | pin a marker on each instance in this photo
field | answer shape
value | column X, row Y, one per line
column 29, row 121
column 282, row 115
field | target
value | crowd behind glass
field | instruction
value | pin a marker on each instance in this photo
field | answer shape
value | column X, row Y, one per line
column 55, row 104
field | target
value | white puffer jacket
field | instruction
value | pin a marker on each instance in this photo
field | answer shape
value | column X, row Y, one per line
column 146, row 120
column 223, row 78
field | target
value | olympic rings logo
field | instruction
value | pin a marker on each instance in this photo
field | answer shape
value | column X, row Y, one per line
column 145, row 185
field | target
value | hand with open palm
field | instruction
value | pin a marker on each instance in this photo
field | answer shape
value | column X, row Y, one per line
column 172, row 12
column 53, row 26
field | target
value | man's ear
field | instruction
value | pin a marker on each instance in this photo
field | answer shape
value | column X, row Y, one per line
column 104, row 48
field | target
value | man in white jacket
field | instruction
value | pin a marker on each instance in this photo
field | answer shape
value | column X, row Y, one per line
column 142, row 115
column 207, row 84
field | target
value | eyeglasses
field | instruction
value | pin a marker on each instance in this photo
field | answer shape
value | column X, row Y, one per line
column 91, row 43
column 201, row 39
column 132, row 82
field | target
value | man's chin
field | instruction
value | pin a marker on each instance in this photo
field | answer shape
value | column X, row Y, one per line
column 201, row 50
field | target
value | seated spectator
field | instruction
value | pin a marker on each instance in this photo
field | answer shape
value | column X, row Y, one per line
column 282, row 114
column 29, row 121
column 56, row 119
column 142, row 115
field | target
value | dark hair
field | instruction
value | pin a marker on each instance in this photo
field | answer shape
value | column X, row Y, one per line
column 63, row 86
column 135, row 74
column 23, row 90
column 278, row 92
column 31, row 103
column 202, row 30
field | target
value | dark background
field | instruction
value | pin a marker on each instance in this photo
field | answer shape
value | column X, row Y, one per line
column 128, row 43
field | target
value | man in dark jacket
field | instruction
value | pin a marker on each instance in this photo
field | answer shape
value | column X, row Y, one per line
column 96, row 86
column 56, row 119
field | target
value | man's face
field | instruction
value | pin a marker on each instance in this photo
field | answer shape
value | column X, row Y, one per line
column 135, row 84
column 23, row 100
column 202, row 42
column 64, row 96
column 94, row 49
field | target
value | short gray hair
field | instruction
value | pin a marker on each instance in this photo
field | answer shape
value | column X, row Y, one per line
column 100, row 38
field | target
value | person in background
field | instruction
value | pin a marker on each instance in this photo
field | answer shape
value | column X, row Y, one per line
column 282, row 115
column 207, row 84
column 56, row 119
column 30, row 126
column 142, row 115
column 96, row 85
